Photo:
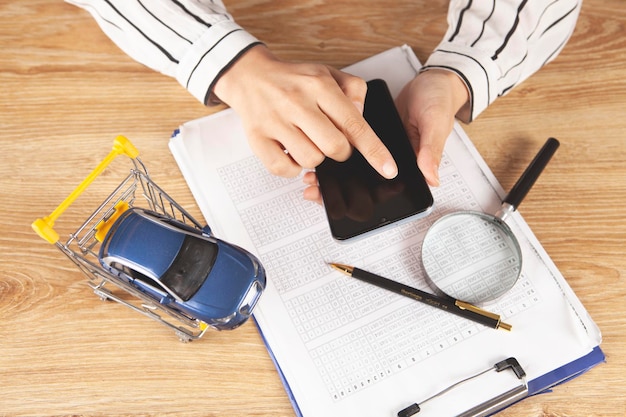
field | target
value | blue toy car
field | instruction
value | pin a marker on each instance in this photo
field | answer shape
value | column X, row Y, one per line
column 184, row 268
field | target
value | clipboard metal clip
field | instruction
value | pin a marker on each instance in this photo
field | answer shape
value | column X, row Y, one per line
column 488, row 407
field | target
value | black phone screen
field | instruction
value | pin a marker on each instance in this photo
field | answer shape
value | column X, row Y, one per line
column 356, row 198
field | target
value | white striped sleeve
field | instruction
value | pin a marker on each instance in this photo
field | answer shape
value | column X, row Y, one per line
column 194, row 41
column 494, row 45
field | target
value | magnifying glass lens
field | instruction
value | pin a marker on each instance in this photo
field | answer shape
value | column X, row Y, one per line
column 472, row 257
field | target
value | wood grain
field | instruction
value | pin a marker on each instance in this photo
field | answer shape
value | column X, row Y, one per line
column 67, row 91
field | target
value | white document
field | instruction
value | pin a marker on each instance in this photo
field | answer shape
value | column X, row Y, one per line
column 344, row 347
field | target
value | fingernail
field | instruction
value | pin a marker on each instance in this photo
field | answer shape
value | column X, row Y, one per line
column 390, row 170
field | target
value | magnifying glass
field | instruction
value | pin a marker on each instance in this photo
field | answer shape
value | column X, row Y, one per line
column 474, row 256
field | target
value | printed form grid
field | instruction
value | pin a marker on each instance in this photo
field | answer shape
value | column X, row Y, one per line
column 324, row 307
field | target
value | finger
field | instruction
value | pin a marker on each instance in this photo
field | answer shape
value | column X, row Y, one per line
column 344, row 114
column 300, row 147
column 354, row 88
column 430, row 144
column 312, row 193
column 428, row 163
column 320, row 130
column 310, row 178
column 274, row 157
column 428, row 153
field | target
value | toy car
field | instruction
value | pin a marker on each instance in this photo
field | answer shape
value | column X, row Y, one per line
column 183, row 268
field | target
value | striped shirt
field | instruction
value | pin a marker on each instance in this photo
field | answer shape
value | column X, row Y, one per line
column 493, row 45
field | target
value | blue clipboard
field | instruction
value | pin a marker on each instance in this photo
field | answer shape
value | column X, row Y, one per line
column 540, row 385
column 566, row 372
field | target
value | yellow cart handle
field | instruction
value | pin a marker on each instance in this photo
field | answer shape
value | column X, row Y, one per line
column 44, row 226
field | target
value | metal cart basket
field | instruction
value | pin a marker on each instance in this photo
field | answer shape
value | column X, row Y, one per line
column 82, row 246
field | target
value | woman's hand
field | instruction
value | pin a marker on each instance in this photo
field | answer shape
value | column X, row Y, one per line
column 295, row 115
column 428, row 105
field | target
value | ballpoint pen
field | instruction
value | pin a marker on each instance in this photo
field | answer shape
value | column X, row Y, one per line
column 460, row 308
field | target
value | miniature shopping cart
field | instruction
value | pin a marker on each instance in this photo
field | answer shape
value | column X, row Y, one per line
column 82, row 246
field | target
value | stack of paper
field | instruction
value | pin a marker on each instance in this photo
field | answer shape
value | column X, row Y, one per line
column 345, row 348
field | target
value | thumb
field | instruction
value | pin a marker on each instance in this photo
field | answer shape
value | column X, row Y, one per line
column 430, row 141
column 428, row 163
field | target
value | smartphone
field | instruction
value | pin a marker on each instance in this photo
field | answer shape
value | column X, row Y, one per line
column 356, row 198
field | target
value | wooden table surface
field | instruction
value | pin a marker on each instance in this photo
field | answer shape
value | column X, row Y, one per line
column 67, row 91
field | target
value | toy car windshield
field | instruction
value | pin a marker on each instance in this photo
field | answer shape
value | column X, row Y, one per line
column 190, row 268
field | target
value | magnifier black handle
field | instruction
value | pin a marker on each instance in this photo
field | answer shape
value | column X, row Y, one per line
column 529, row 177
